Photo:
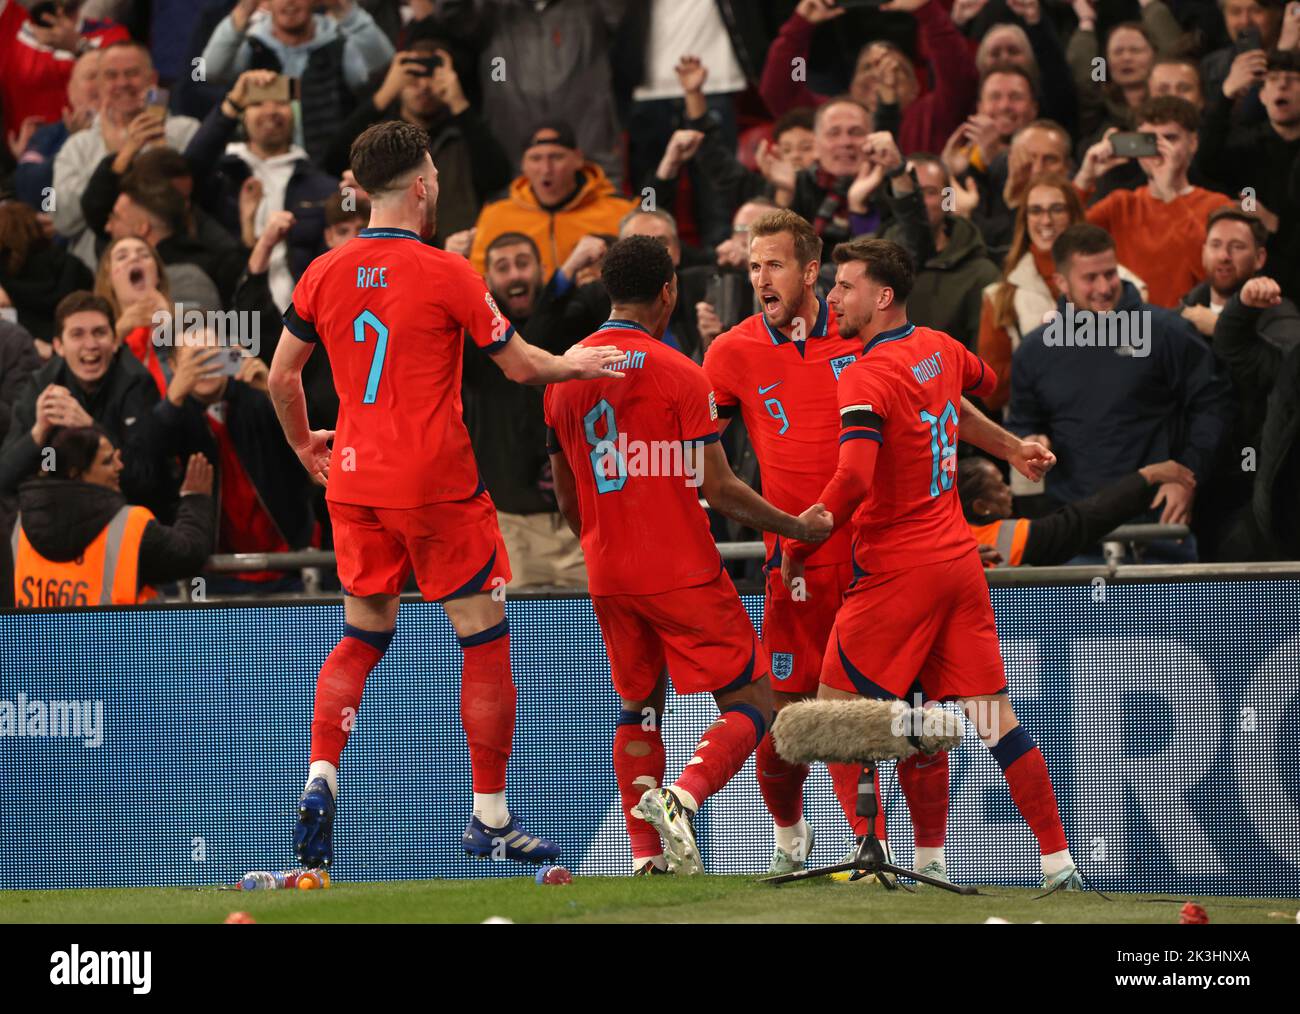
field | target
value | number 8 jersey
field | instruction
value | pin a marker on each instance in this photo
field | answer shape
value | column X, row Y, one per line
column 905, row 392
column 643, row 530
column 392, row 314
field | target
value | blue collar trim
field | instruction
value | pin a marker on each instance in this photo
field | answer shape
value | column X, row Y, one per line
column 369, row 233
column 892, row 335
column 627, row 325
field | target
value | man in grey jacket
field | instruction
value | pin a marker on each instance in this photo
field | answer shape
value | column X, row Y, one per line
column 544, row 60
column 332, row 56
column 124, row 124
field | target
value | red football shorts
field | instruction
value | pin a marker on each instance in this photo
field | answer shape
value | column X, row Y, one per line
column 702, row 634
column 933, row 624
column 795, row 632
column 454, row 548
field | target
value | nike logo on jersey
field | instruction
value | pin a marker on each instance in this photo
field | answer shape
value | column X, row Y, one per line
column 764, row 390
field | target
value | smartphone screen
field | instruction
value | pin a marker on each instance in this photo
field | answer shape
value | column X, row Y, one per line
column 276, row 91
column 156, row 101
column 1134, row 144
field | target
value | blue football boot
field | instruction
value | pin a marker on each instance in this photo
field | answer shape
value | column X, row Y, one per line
column 509, row 842
column 313, row 834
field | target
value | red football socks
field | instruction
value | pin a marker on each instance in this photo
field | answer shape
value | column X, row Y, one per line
column 721, row 752
column 638, row 766
column 780, row 782
column 338, row 689
column 924, row 780
column 1025, row 770
column 487, row 705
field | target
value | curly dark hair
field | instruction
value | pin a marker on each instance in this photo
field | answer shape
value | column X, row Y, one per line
column 636, row 269
column 387, row 151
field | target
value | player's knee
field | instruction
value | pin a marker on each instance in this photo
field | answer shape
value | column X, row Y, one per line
column 377, row 639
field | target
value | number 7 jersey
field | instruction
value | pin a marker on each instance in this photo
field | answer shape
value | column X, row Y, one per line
column 393, row 314
column 905, row 393
column 643, row 530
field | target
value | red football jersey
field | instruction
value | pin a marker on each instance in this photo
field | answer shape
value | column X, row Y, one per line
column 643, row 529
column 905, row 392
column 392, row 314
column 787, row 393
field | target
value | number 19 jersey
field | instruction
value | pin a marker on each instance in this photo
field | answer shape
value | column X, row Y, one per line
column 643, row 530
column 392, row 314
column 905, row 393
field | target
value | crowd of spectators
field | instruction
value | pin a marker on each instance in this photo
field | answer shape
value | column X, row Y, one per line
column 173, row 160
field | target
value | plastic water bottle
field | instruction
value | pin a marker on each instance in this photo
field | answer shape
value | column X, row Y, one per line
column 259, row 880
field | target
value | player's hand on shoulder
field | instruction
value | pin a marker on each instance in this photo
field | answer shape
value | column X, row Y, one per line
column 817, row 523
column 594, row 362
column 315, row 456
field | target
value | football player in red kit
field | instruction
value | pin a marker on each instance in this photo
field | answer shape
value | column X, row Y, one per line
column 631, row 459
column 919, row 608
column 779, row 370
column 401, row 483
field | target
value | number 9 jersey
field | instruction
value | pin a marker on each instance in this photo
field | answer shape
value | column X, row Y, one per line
column 392, row 314
column 905, row 392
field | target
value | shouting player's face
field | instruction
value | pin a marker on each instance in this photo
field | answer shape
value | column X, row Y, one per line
column 780, row 282
column 856, row 299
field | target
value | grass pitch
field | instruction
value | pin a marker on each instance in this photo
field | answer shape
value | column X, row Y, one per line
column 710, row 899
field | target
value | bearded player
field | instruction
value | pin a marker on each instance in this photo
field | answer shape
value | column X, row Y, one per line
column 919, row 609
column 401, row 483
column 657, row 583
column 779, row 370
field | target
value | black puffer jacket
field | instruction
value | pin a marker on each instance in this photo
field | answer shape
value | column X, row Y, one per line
column 61, row 517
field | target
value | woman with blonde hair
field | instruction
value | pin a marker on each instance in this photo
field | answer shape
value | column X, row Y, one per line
column 1026, row 293
column 132, row 278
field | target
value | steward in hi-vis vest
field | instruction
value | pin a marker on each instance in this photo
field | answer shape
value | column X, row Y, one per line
column 105, row 573
column 1063, row 534
column 77, row 542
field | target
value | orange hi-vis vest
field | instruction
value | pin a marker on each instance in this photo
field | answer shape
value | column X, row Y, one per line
column 1008, row 537
column 105, row 574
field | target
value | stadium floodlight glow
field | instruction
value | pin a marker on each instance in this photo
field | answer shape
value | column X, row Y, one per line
column 864, row 732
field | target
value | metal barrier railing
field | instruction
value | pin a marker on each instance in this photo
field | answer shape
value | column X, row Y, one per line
column 312, row 561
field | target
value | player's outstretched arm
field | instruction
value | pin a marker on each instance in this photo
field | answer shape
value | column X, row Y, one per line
column 1030, row 458
column 566, row 491
column 726, row 493
column 285, row 386
column 527, row 364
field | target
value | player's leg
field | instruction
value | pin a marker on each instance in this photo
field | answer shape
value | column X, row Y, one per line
column 795, row 630
column 372, row 567
column 710, row 647
column 639, row 762
column 781, row 784
column 966, row 665
column 487, row 712
column 1025, row 769
column 637, row 668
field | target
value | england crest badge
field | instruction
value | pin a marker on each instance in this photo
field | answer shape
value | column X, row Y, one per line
column 782, row 665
